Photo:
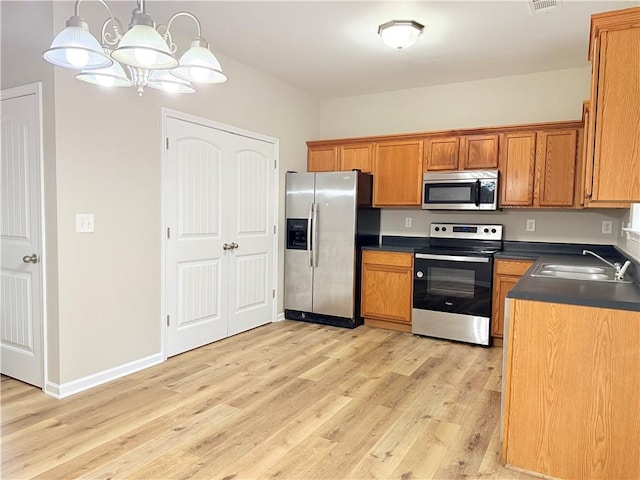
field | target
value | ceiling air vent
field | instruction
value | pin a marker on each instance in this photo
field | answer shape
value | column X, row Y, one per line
column 542, row 6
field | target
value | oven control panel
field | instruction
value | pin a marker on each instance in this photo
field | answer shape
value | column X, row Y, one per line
column 469, row 231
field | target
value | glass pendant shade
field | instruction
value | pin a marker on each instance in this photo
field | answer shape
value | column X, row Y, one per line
column 143, row 47
column 75, row 47
column 163, row 80
column 199, row 65
column 400, row 34
column 112, row 76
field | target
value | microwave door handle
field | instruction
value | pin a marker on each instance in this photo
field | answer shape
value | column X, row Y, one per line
column 477, row 193
column 309, row 230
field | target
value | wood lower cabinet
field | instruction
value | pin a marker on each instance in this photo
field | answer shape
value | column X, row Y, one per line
column 572, row 392
column 397, row 174
column 387, row 289
column 506, row 273
column 613, row 150
column 322, row 159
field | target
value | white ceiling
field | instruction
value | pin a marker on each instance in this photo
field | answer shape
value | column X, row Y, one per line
column 331, row 48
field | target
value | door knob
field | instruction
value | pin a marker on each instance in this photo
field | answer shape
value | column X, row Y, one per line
column 234, row 245
column 226, row 246
column 30, row 258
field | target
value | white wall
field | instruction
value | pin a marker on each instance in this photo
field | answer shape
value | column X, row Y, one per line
column 540, row 97
column 108, row 162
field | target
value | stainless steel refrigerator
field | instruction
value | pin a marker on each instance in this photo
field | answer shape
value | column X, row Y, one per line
column 328, row 219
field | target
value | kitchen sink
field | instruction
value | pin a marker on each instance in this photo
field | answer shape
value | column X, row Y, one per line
column 575, row 268
column 577, row 272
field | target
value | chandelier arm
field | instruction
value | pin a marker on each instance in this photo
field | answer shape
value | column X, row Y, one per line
column 107, row 37
column 184, row 14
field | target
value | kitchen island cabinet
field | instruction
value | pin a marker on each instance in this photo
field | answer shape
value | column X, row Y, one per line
column 387, row 289
column 572, row 392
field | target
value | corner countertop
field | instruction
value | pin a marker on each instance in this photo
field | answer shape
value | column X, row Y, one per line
column 618, row 296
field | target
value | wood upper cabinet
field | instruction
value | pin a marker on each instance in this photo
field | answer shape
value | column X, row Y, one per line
column 397, row 174
column 517, row 168
column 322, row 159
column 556, row 168
column 506, row 274
column 441, row 153
column 479, row 151
column 387, row 289
column 613, row 130
column 461, row 152
column 355, row 156
column 538, row 169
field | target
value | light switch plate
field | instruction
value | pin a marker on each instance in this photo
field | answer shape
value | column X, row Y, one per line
column 84, row 222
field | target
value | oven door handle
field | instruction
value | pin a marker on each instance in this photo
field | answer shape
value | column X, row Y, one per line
column 453, row 258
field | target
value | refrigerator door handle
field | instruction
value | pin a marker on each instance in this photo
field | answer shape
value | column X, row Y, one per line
column 314, row 233
column 309, row 230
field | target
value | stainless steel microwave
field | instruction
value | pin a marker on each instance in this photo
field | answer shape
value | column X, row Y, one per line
column 466, row 190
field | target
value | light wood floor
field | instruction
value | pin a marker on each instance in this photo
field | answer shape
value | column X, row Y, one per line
column 286, row 401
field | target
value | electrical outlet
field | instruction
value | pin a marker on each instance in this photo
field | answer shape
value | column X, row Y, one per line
column 531, row 225
column 607, row 227
column 84, row 223
column 407, row 222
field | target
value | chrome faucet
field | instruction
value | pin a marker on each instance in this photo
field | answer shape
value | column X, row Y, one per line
column 618, row 267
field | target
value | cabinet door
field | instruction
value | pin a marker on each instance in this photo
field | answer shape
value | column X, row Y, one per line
column 501, row 286
column 356, row 156
column 517, row 166
column 397, row 174
column 556, row 165
column 441, row 153
column 479, row 151
column 616, row 175
column 322, row 159
column 386, row 292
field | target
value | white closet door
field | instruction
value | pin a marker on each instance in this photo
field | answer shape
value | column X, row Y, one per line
column 220, row 194
column 251, row 227
column 196, row 266
column 21, row 282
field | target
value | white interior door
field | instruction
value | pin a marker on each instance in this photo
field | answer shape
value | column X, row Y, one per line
column 197, row 265
column 21, row 267
column 219, row 198
column 251, row 227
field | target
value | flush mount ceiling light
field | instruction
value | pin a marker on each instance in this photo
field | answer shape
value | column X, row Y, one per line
column 400, row 34
column 146, row 50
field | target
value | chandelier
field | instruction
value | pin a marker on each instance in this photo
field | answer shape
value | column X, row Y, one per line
column 146, row 50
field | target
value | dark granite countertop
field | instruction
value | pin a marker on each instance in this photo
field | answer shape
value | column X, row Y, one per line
column 389, row 248
column 619, row 296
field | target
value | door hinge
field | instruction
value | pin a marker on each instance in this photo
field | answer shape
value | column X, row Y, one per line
column 274, row 229
column 273, row 293
column 168, row 320
column 168, row 232
column 275, row 164
column 167, row 143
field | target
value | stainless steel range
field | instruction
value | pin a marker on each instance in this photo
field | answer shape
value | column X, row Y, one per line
column 452, row 282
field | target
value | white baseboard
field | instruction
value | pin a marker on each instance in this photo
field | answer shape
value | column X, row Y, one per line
column 75, row 386
column 279, row 317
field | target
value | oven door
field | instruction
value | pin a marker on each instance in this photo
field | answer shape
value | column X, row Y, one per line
column 453, row 284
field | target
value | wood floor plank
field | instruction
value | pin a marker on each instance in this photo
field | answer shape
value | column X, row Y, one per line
column 290, row 400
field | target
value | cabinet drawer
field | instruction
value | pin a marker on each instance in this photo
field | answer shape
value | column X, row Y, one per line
column 512, row 267
column 399, row 259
